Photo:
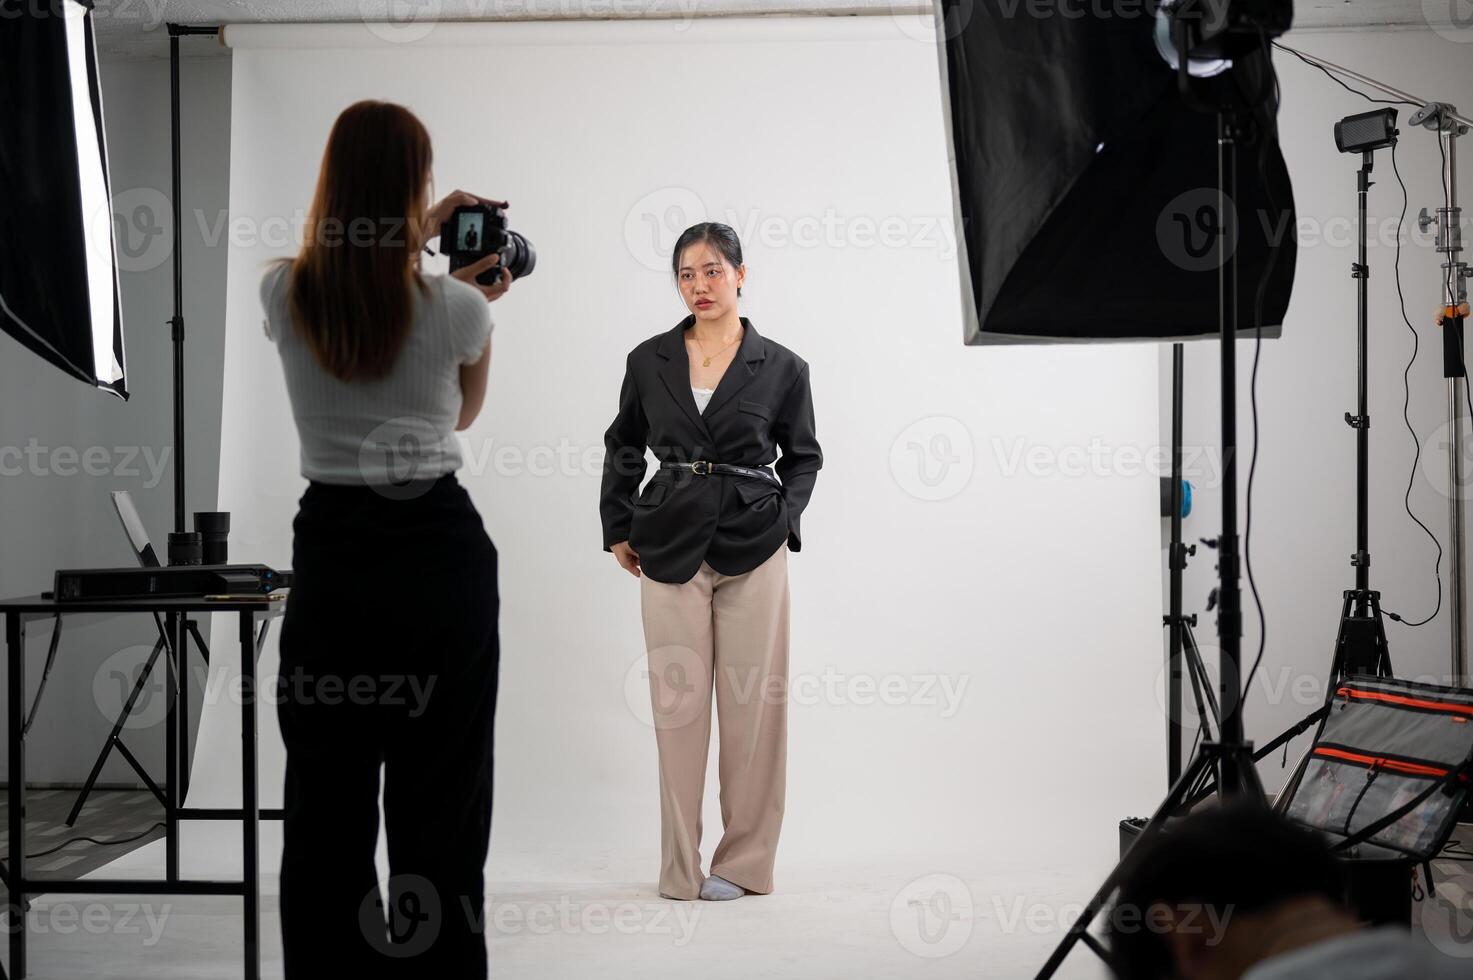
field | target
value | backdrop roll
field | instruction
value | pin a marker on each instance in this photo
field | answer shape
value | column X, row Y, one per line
column 977, row 605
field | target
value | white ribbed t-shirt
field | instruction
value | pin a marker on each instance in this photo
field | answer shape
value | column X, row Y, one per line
column 400, row 427
column 702, row 397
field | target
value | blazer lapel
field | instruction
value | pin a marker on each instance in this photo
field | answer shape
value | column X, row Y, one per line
column 675, row 372
column 741, row 370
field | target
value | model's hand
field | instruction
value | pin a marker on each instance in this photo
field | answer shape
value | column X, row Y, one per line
column 492, row 292
column 627, row 557
column 440, row 213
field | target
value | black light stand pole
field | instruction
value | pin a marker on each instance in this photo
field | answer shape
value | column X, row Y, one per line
column 1176, row 564
column 1229, row 758
column 176, row 323
column 179, row 661
column 1235, row 772
column 1361, row 421
column 1360, row 644
column 1182, row 650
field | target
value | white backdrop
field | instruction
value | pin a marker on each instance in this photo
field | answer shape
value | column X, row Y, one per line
column 976, row 610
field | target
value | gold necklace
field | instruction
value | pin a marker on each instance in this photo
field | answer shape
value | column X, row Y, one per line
column 707, row 361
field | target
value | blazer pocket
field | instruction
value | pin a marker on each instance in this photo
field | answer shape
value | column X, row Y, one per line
column 653, row 494
column 755, row 408
column 752, row 489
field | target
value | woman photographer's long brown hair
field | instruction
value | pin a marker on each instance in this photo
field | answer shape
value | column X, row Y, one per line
column 352, row 284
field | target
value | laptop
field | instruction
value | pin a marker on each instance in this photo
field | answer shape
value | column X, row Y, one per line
column 134, row 529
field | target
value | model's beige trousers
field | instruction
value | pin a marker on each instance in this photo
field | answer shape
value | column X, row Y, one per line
column 730, row 632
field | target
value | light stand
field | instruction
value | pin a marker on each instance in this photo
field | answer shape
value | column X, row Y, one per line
column 1449, row 124
column 179, row 674
column 176, row 323
column 1176, row 563
column 1360, row 644
column 178, row 629
column 1181, row 641
column 1229, row 758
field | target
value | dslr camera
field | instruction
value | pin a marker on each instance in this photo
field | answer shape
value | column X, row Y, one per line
column 474, row 231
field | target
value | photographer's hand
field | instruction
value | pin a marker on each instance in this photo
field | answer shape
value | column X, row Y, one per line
column 492, row 292
column 440, row 213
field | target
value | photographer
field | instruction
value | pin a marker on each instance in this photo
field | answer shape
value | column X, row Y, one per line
column 389, row 648
column 1242, row 892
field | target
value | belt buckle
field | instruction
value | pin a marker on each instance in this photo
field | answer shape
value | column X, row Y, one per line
column 697, row 467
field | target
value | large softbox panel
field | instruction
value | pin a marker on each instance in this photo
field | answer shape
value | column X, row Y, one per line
column 1085, row 185
column 58, row 271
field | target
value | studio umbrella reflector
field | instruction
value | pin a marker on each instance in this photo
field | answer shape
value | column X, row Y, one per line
column 58, row 267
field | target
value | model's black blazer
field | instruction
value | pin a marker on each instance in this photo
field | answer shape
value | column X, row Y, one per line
column 761, row 405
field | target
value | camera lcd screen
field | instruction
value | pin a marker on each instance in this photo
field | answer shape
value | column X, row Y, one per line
column 470, row 232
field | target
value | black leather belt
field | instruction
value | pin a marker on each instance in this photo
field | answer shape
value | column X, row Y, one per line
column 704, row 467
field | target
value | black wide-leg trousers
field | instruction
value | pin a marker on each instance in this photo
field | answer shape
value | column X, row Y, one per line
column 389, row 663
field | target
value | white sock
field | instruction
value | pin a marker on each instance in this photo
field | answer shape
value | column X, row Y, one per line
column 717, row 889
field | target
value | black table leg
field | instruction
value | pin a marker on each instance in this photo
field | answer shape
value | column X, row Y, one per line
column 184, row 625
column 250, row 802
column 15, row 649
column 172, row 800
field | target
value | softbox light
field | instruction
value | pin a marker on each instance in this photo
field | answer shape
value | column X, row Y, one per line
column 1087, row 211
column 58, row 270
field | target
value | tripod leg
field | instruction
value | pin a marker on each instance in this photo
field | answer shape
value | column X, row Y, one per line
column 45, row 675
column 112, row 738
column 1383, row 649
column 1202, row 686
column 1280, row 803
column 1168, row 807
column 1202, row 720
column 204, row 648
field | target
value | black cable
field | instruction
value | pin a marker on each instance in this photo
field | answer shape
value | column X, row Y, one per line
column 1334, row 78
column 1269, row 128
column 1453, row 850
column 94, row 840
column 1406, row 401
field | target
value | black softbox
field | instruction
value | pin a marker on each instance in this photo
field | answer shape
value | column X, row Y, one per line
column 1085, row 184
column 58, row 269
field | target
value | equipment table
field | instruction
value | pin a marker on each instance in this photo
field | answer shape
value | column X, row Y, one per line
column 255, row 617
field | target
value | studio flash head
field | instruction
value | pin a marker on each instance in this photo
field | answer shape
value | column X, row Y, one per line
column 1366, row 131
column 475, row 231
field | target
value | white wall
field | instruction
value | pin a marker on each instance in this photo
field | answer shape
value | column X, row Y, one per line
column 929, row 559
column 1304, row 501
column 54, row 512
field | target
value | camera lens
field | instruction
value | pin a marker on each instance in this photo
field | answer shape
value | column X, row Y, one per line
column 214, row 531
column 520, row 257
column 185, row 548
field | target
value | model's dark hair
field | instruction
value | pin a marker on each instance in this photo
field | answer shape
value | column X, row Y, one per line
column 718, row 234
column 1238, row 858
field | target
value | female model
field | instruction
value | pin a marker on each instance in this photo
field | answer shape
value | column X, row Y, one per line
column 709, row 537
column 389, row 650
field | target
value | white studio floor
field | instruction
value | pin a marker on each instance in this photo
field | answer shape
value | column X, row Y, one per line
column 573, row 916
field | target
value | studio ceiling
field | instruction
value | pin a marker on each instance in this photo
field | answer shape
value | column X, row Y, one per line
column 134, row 28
